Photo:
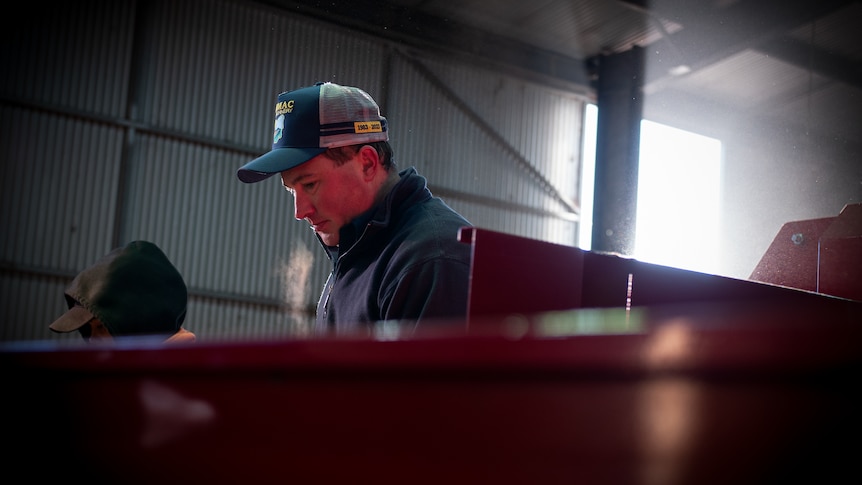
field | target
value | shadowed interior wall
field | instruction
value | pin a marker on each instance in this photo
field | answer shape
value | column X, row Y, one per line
column 127, row 120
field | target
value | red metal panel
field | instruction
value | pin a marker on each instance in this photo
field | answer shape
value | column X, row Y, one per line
column 704, row 396
column 819, row 255
column 516, row 275
column 791, row 259
column 840, row 263
column 511, row 274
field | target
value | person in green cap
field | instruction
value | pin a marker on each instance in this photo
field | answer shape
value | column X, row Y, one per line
column 133, row 290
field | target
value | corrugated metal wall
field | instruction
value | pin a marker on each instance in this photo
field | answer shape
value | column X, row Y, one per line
column 127, row 120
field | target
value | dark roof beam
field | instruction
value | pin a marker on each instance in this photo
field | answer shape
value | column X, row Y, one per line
column 814, row 58
column 711, row 34
column 417, row 29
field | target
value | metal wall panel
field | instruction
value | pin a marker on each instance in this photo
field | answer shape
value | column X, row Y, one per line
column 59, row 151
column 214, row 68
column 227, row 238
column 58, row 189
column 216, row 320
column 29, row 304
column 480, row 133
column 47, row 60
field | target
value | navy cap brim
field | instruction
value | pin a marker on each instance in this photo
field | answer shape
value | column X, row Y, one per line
column 74, row 318
column 276, row 161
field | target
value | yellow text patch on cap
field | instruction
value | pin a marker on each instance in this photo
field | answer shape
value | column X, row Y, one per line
column 367, row 127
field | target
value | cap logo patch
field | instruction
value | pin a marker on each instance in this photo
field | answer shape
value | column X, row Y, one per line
column 278, row 130
column 367, row 127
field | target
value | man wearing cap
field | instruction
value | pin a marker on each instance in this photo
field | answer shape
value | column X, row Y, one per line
column 393, row 245
column 133, row 290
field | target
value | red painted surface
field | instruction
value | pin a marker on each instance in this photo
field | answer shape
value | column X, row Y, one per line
column 820, row 255
column 840, row 264
column 515, row 275
column 699, row 396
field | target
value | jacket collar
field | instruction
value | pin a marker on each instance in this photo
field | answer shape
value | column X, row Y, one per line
column 410, row 187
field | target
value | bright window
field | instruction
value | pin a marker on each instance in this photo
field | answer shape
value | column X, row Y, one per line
column 679, row 190
column 588, row 176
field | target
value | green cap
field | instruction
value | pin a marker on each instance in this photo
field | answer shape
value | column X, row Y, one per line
column 132, row 290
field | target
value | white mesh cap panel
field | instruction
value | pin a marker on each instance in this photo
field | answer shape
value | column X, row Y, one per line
column 349, row 116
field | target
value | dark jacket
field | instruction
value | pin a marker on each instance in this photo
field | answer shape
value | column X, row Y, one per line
column 402, row 262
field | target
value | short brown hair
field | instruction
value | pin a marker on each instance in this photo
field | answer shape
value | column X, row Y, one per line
column 341, row 155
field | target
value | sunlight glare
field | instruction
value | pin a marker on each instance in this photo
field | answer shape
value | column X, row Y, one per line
column 678, row 214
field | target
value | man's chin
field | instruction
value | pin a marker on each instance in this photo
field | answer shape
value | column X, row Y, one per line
column 328, row 239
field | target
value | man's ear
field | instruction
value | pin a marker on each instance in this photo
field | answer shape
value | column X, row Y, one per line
column 370, row 161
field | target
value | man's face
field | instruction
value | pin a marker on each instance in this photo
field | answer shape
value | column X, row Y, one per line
column 95, row 330
column 328, row 196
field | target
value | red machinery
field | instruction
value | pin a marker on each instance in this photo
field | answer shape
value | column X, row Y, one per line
column 572, row 367
column 821, row 255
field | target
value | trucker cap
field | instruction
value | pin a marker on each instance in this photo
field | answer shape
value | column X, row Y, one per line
column 310, row 120
column 132, row 290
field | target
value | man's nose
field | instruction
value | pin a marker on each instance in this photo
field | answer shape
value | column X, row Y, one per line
column 302, row 207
